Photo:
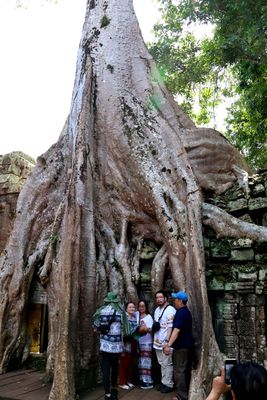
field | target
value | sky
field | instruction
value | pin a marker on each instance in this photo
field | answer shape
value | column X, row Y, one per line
column 39, row 45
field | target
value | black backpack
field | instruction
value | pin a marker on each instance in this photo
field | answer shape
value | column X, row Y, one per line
column 105, row 326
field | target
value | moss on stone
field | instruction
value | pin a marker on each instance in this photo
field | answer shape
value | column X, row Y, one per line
column 220, row 248
column 105, row 21
column 110, row 68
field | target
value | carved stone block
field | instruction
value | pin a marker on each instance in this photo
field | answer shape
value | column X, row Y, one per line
column 246, row 302
column 242, row 243
column 237, row 205
column 247, row 342
column 242, row 255
column 257, row 203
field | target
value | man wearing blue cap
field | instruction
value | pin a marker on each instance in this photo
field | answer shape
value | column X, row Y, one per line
column 181, row 341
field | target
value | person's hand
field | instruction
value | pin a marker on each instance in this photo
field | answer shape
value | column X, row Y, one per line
column 218, row 387
column 167, row 350
column 143, row 328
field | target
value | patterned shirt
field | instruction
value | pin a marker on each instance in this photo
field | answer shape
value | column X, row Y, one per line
column 111, row 342
column 133, row 327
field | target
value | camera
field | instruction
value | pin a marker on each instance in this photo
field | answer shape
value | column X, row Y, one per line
column 228, row 365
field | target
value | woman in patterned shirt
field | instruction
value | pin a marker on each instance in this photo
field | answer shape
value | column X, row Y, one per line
column 111, row 322
column 128, row 356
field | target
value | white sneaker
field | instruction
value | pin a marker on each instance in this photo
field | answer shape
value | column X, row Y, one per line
column 130, row 385
column 126, row 387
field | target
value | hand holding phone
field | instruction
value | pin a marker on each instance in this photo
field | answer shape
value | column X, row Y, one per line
column 219, row 387
column 228, row 365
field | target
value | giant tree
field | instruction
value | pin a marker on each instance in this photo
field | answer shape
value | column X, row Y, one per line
column 129, row 165
column 231, row 62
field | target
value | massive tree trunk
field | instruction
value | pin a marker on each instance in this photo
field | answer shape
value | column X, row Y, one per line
column 128, row 166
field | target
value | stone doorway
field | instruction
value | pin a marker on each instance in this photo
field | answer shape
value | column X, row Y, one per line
column 37, row 324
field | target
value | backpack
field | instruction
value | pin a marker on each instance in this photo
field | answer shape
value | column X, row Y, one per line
column 104, row 327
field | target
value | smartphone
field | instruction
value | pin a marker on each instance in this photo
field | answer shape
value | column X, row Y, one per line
column 228, row 365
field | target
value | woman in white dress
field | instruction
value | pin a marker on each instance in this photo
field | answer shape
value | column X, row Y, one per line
column 145, row 343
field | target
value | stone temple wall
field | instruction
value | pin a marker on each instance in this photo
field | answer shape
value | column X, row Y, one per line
column 14, row 169
column 236, row 272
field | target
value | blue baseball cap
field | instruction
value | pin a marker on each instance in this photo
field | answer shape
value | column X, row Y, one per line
column 180, row 295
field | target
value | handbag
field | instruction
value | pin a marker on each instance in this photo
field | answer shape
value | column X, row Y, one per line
column 156, row 324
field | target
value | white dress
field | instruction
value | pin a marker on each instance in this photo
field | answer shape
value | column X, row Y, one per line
column 145, row 352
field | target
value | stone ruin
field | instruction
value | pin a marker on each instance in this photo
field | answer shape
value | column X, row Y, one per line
column 236, row 273
column 236, row 269
column 14, row 169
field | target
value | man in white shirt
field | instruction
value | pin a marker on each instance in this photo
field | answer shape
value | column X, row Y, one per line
column 164, row 314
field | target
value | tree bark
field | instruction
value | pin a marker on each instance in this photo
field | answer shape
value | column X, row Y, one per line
column 121, row 172
column 225, row 225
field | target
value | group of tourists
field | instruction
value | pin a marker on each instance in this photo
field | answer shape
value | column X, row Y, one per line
column 128, row 336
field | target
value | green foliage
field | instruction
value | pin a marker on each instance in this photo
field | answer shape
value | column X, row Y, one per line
column 110, row 68
column 230, row 63
column 104, row 21
column 53, row 239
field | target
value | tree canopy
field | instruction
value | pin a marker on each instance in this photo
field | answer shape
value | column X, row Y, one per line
column 230, row 64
